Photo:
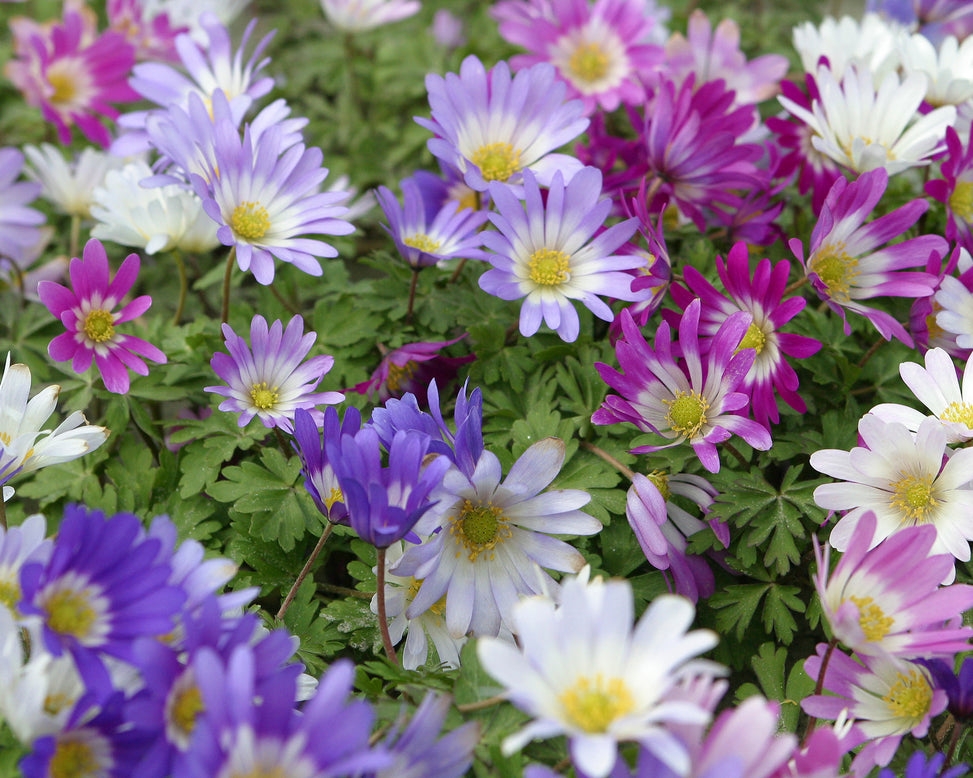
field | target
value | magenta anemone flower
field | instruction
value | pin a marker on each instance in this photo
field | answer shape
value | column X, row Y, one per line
column 599, row 49
column 845, row 263
column 411, row 368
column 955, row 189
column 150, row 32
column 696, row 401
column 72, row 75
column 271, row 381
column 86, row 310
column 492, row 126
column 550, row 255
column 762, row 297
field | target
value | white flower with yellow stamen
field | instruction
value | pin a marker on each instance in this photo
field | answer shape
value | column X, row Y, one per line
column 69, row 185
column 582, row 671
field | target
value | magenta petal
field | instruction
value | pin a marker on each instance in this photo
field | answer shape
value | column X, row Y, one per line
column 123, row 281
column 63, row 347
column 134, row 309
column 113, row 373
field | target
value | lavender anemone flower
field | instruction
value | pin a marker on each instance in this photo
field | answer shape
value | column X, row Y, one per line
column 957, row 685
column 320, row 479
column 918, row 767
column 697, row 401
column 19, row 223
column 845, row 263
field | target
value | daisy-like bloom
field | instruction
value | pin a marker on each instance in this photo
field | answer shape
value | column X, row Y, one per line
column 447, row 29
column 146, row 26
column 24, row 446
column 411, row 368
column 902, row 478
column 846, row 264
column 948, row 67
column 494, row 538
column 359, row 15
column 426, row 234
column 582, row 671
column 937, row 387
column 711, row 55
column 872, row 42
column 922, row 315
column 158, row 219
column 493, row 127
column 954, row 303
column 19, row 223
column 918, row 767
column 697, row 401
column 955, row 189
column 265, row 197
column 69, row 185
column 762, row 297
column 865, row 128
column 72, row 77
column 19, row 546
column 872, row 609
column 419, row 630
column 269, row 379
column 547, row 255
column 86, row 311
column 599, row 50
column 886, row 697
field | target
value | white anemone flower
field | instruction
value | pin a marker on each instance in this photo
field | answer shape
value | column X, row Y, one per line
column 359, row 15
column 955, row 314
column 159, row 219
column 864, row 128
column 937, row 387
column 949, row 69
column 69, row 185
column 872, row 42
column 583, row 671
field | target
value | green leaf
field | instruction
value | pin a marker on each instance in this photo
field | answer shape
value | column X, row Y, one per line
column 781, row 603
column 737, row 606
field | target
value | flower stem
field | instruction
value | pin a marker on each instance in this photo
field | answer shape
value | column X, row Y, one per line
column 225, row 311
column 412, row 295
column 457, row 271
column 304, row 571
column 183, row 288
column 795, row 286
column 953, row 742
column 871, row 351
column 383, row 623
column 628, row 473
column 819, row 687
column 3, row 511
column 739, row 457
column 489, row 702
column 291, row 308
column 75, row 238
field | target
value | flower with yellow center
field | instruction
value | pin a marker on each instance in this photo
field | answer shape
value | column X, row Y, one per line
column 836, row 270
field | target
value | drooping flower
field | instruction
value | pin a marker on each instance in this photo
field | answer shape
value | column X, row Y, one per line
column 846, row 264
column 955, row 189
column 492, row 127
column 69, row 185
column 269, row 379
column 582, row 671
column 600, row 50
column 762, row 297
column 902, row 478
column 873, row 609
column 694, row 401
column 86, row 311
column 19, row 223
column 320, row 479
column 547, row 254
column 73, row 74
column 411, row 368
column 359, row 15
column 494, row 538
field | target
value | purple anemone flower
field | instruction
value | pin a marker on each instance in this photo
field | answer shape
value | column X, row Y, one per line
column 87, row 313
column 918, row 767
column 19, row 223
column 417, row 751
column 955, row 189
column 271, row 381
column 320, row 479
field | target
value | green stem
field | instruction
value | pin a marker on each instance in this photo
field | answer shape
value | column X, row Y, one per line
column 3, row 512
column 953, row 742
column 75, row 236
column 291, row 308
column 183, row 288
column 383, row 622
column 600, row 452
column 412, row 295
column 304, row 571
column 225, row 311
column 489, row 702
column 795, row 286
column 871, row 351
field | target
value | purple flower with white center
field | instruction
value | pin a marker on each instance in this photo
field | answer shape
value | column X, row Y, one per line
column 103, row 587
column 493, row 127
column 873, row 609
column 148, row 31
column 86, row 311
column 494, row 538
column 955, row 189
column 269, row 378
column 696, row 401
column 845, row 263
column 427, row 235
column 957, row 685
column 600, row 50
column 19, row 223
column 384, row 503
column 265, row 197
column 918, row 767
column 762, row 297
column 547, row 254
column 320, row 479
column 923, row 322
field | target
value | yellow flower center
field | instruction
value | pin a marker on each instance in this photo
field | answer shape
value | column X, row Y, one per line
column 55, row 703
column 334, row 496
column 661, row 482
column 69, row 612
column 933, row 330
column 548, row 267
column 592, row 704
column 914, row 496
column 960, row 412
column 263, row 397
column 63, row 81
column 873, row 621
column 480, row 528
column 399, row 374
column 98, row 325
column 497, row 161
column 186, row 707
column 422, row 242
column 961, row 200
column 588, row 63
column 439, row 608
column 909, row 698
column 687, row 413
column 9, row 592
column 75, row 759
column 250, row 221
column 836, row 270
column 753, row 338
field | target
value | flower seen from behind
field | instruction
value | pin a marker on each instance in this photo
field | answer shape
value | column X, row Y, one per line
column 359, row 15
column 87, row 312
